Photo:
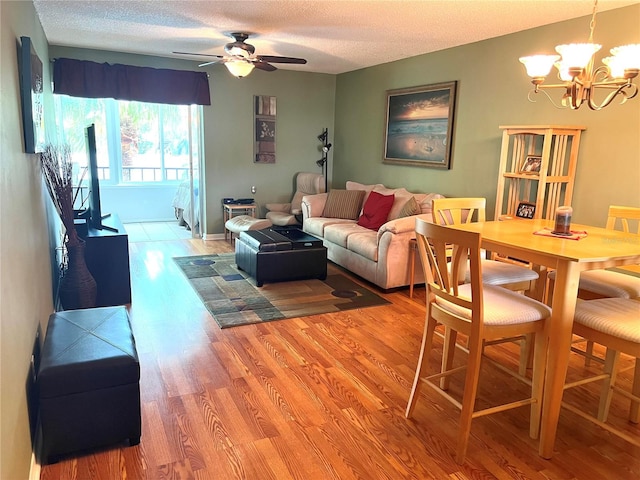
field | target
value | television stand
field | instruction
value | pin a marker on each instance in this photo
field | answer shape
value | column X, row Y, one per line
column 107, row 257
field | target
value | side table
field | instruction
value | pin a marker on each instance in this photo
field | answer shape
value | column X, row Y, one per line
column 230, row 210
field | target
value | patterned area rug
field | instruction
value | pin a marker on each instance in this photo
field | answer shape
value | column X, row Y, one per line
column 233, row 299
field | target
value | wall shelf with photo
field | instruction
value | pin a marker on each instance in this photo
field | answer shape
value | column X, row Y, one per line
column 537, row 169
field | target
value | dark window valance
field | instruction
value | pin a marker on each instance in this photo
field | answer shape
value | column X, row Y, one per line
column 82, row 78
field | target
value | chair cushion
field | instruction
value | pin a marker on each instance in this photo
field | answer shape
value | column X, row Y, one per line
column 282, row 219
column 243, row 223
column 610, row 284
column 618, row 317
column 501, row 306
column 501, row 273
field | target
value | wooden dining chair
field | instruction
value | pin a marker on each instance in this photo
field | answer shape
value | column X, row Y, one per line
column 452, row 211
column 595, row 284
column 610, row 283
column 481, row 312
column 614, row 323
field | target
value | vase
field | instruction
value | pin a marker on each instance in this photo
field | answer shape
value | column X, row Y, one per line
column 78, row 288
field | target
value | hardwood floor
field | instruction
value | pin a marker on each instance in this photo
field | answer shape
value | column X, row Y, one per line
column 319, row 397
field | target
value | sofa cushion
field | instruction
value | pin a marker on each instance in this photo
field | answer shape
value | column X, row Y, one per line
column 364, row 243
column 350, row 185
column 376, row 210
column 338, row 233
column 343, row 204
column 409, row 208
column 424, row 200
column 316, row 225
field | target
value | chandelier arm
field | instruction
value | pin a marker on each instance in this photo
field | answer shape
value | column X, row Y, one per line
column 609, row 98
column 534, row 91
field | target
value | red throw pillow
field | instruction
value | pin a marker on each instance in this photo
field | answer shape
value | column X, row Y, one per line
column 376, row 210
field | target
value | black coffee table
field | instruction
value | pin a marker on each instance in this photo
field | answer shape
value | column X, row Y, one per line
column 277, row 255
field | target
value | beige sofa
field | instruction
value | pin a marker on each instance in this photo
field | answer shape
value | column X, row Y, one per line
column 380, row 256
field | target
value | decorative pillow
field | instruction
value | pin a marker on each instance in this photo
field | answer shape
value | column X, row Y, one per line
column 411, row 207
column 343, row 204
column 425, row 203
column 351, row 185
column 375, row 211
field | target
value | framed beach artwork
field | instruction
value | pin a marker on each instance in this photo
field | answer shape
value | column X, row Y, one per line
column 419, row 125
column 31, row 96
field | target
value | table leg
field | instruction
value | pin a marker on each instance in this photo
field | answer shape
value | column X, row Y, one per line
column 559, row 333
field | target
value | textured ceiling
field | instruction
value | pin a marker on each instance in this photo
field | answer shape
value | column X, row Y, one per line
column 334, row 36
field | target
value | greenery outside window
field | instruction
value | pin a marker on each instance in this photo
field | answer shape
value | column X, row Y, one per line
column 137, row 143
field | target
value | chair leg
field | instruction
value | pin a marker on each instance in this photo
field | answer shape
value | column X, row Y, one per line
column 537, row 382
column 610, row 368
column 526, row 353
column 589, row 353
column 448, row 350
column 634, row 412
column 423, row 362
column 469, row 397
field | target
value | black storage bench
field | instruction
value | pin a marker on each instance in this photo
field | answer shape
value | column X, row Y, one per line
column 283, row 255
column 89, row 382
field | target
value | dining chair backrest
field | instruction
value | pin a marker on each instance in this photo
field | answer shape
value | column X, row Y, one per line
column 453, row 211
column 624, row 214
column 440, row 246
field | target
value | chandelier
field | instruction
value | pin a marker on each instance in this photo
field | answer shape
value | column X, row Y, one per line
column 580, row 79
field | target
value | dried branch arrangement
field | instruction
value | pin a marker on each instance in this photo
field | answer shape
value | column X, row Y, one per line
column 57, row 170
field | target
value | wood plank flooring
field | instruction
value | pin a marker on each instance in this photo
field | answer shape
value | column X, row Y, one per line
column 319, row 397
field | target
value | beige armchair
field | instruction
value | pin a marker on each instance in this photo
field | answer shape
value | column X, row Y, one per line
column 283, row 214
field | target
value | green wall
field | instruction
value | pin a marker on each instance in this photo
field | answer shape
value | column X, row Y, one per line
column 305, row 103
column 25, row 249
column 492, row 91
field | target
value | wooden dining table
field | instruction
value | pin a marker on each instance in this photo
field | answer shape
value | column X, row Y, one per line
column 600, row 248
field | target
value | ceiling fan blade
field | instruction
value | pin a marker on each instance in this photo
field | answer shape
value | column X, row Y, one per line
column 275, row 59
column 260, row 65
column 198, row 54
column 209, row 63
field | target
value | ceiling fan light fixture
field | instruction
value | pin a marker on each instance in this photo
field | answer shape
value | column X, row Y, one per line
column 239, row 68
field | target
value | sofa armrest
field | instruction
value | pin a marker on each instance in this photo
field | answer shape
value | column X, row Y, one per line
column 313, row 205
column 278, row 207
column 402, row 225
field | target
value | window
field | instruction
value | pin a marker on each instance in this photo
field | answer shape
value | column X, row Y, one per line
column 136, row 142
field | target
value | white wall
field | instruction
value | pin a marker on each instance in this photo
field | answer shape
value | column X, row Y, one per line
column 138, row 203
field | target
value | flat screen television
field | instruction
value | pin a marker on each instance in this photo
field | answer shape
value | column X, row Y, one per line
column 94, row 215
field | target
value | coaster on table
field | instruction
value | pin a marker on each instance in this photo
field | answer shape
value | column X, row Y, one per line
column 573, row 235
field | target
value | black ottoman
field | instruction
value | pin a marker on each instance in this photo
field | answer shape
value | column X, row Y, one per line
column 283, row 255
column 88, row 382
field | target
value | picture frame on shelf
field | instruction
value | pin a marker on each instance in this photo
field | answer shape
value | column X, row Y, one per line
column 419, row 125
column 526, row 210
column 31, row 97
column 531, row 165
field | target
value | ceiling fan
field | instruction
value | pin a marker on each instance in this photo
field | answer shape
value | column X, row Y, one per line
column 240, row 59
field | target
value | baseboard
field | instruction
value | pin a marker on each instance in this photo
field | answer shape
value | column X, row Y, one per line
column 34, row 469
column 213, row 236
